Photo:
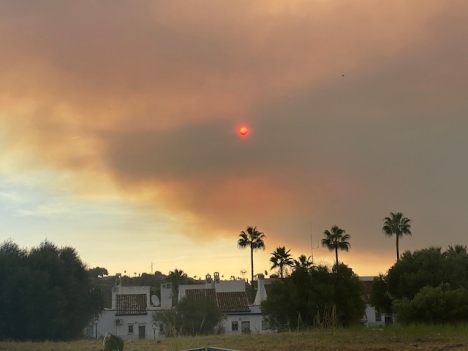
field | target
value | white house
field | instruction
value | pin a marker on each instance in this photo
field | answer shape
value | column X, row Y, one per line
column 231, row 298
column 372, row 318
column 132, row 308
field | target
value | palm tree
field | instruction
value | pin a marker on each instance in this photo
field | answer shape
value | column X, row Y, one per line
column 253, row 239
column 176, row 277
column 456, row 249
column 280, row 259
column 303, row 262
column 336, row 239
column 397, row 225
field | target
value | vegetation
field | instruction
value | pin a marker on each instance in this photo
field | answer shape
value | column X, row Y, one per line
column 427, row 285
column 335, row 240
column 397, row 225
column 46, row 293
column 281, row 259
column 252, row 239
column 98, row 272
column 190, row 317
column 315, row 297
column 410, row 338
column 303, row 262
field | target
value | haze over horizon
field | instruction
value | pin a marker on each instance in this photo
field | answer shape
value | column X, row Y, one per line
column 118, row 129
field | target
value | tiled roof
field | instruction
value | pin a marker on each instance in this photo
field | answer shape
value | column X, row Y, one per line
column 201, row 293
column 131, row 304
column 367, row 290
column 226, row 301
column 233, row 301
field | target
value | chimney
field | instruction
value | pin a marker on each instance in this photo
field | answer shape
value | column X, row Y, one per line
column 116, row 289
column 208, row 282
column 166, row 295
column 261, row 292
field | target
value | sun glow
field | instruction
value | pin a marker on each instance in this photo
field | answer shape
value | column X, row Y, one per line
column 243, row 130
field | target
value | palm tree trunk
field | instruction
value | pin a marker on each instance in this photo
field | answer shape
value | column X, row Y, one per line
column 397, row 248
column 336, row 254
column 252, row 270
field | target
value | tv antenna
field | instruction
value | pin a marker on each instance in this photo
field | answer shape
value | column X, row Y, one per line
column 312, row 247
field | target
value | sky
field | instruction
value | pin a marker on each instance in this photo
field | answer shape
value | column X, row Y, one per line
column 119, row 119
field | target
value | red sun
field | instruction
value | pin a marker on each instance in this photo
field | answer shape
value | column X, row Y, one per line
column 243, row 130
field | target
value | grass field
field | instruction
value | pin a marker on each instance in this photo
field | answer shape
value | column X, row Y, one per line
column 433, row 338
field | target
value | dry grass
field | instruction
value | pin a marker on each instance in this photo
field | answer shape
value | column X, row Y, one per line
column 433, row 338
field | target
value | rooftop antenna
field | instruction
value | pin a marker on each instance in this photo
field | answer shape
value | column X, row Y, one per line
column 312, row 247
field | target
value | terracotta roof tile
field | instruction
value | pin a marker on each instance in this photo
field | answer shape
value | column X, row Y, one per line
column 226, row 301
column 233, row 301
column 131, row 304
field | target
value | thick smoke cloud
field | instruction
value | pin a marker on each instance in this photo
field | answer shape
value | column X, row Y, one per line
column 356, row 109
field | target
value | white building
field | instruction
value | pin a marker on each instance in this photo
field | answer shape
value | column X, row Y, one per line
column 130, row 315
column 231, row 298
column 372, row 318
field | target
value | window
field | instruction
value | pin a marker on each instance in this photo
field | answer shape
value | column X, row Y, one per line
column 264, row 325
column 378, row 317
column 245, row 325
column 235, row 326
column 161, row 328
column 130, row 328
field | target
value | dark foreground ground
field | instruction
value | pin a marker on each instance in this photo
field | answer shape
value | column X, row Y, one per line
column 430, row 338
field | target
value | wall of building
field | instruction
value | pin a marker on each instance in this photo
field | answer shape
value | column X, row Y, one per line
column 256, row 323
column 107, row 324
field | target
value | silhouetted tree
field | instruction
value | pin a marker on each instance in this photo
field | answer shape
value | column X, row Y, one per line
column 45, row 294
column 397, row 225
column 280, row 258
column 335, row 240
column 252, row 239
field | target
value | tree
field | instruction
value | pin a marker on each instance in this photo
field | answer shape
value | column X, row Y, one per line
column 49, row 295
column 335, row 240
column 281, row 259
column 192, row 316
column 98, row 272
column 435, row 305
column 397, row 225
column 317, row 297
column 176, row 277
column 428, row 267
column 303, row 262
column 253, row 239
column 456, row 249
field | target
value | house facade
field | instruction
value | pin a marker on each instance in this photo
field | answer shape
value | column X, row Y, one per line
column 372, row 318
column 132, row 308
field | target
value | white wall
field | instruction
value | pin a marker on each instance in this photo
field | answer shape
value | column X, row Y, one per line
column 371, row 317
column 107, row 323
column 255, row 323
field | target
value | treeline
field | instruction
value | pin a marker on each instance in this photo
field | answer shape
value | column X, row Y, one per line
column 315, row 297
column 45, row 293
column 426, row 286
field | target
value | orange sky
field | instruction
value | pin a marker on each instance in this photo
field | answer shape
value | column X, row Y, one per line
column 118, row 128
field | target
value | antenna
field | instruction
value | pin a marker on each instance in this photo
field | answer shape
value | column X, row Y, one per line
column 155, row 300
column 311, row 243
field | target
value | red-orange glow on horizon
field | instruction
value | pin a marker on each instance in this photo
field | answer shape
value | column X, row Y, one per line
column 243, row 130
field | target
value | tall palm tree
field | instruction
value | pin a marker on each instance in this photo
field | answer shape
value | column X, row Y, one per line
column 280, row 258
column 397, row 225
column 336, row 239
column 253, row 239
column 303, row 262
